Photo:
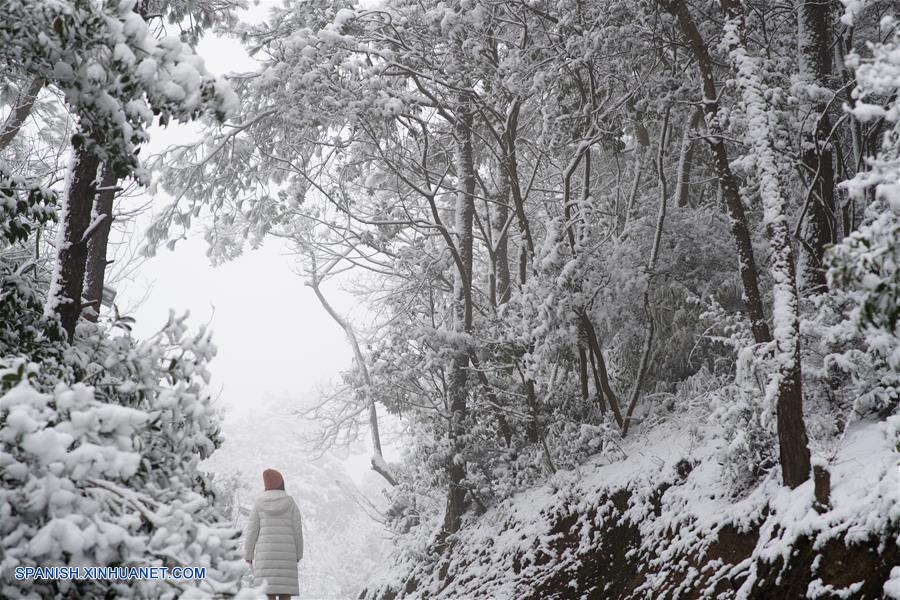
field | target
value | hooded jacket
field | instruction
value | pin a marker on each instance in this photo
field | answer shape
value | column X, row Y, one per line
column 274, row 542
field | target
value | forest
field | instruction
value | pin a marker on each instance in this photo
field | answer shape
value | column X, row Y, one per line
column 625, row 274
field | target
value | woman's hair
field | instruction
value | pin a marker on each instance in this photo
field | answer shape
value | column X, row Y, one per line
column 273, row 480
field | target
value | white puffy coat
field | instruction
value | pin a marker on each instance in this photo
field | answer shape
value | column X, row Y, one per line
column 274, row 542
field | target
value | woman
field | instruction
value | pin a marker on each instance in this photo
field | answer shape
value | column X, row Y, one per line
column 274, row 542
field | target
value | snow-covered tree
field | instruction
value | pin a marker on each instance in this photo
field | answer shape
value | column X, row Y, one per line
column 115, row 77
column 99, row 450
column 565, row 215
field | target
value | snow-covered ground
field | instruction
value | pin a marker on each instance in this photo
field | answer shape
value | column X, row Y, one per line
column 517, row 547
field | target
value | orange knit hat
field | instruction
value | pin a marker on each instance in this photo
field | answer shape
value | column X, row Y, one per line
column 273, row 480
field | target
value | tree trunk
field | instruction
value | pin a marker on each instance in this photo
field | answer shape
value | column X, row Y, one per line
column 785, row 385
column 727, row 181
column 95, row 275
column 623, row 214
column 651, row 269
column 20, row 112
column 583, row 345
column 821, row 488
column 462, row 315
column 583, row 376
column 501, row 237
column 526, row 242
column 378, row 464
column 600, row 367
column 502, row 424
column 67, row 284
column 685, row 160
column 815, row 62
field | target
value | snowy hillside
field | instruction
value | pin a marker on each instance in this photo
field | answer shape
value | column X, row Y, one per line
column 660, row 524
column 608, row 291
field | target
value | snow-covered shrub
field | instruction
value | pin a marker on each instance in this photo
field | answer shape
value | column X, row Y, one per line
column 846, row 372
column 99, row 446
column 574, row 443
column 843, row 379
column 869, row 261
column 749, row 441
column 892, row 432
column 865, row 267
column 738, row 409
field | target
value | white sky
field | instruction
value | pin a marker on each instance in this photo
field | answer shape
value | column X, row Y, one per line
column 272, row 335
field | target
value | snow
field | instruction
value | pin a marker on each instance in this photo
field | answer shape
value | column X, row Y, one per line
column 146, row 70
column 864, row 478
column 762, row 136
column 92, row 64
column 892, row 586
column 96, row 220
column 54, row 293
column 868, row 112
column 85, row 459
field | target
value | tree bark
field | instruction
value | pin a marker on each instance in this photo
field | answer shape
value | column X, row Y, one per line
column 20, row 112
column 685, row 161
column 501, row 238
column 583, row 376
column 821, row 488
column 600, row 366
column 785, row 385
column 67, row 284
column 502, row 424
column 623, row 214
column 583, row 346
column 526, row 247
column 815, row 66
column 462, row 315
column 95, row 275
column 526, row 243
